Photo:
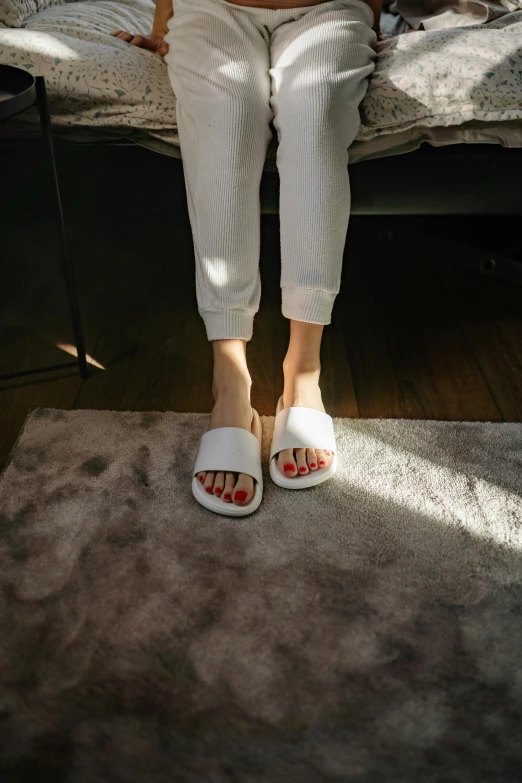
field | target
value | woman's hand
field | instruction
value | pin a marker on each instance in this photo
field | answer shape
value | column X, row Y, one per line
column 156, row 43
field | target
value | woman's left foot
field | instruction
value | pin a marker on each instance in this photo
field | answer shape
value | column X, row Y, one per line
column 302, row 390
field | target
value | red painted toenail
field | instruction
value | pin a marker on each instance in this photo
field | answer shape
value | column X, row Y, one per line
column 289, row 468
column 209, row 489
column 321, row 462
column 217, row 491
column 302, row 470
column 240, row 494
column 202, row 478
column 313, row 465
column 227, row 496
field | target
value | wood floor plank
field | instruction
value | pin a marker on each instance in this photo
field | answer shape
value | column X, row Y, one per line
column 267, row 320
column 438, row 375
column 489, row 313
column 260, row 363
column 280, row 340
column 497, row 349
column 493, row 328
column 279, row 334
column 337, row 385
column 366, row 333
column 153, row 344
column 163, row 364
column 436, row 371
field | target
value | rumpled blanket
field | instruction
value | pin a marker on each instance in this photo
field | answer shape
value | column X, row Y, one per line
column 438, row 14
column 430, row 84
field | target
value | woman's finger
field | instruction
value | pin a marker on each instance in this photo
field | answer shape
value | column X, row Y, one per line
column 150, row 43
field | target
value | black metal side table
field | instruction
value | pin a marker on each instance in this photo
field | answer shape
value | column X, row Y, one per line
column 19, row 90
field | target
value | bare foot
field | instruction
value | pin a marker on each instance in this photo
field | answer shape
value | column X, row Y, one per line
column 302, row 390
column 232, row 409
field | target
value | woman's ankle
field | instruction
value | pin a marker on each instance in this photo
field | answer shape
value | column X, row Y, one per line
column 309, row 367
column 303, row 354
column 230, row 367
column 233, row 384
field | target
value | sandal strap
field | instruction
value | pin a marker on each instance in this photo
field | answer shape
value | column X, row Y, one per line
column 302, row 428
column 232, row 449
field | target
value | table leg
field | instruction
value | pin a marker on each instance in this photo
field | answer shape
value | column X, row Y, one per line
column 67, row 266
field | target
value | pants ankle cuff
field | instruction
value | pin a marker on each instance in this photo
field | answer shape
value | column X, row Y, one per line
column 228, row 324
column 308, row 304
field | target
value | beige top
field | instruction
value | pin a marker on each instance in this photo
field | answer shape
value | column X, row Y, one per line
column 263, row 4
column 375, row 5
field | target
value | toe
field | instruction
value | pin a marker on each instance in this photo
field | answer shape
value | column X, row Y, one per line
column 329, row 455
column 209, row 482
column 286, row 463
column 202, row 476
column 230, row 482
column 311, row 459
column 219, row 483
column 244, row 490
column 300, row 455
column 321, row 458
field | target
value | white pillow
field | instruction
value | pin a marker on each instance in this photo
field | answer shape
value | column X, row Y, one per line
column 13, row 13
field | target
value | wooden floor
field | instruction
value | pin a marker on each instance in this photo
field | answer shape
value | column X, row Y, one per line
column 412, row 335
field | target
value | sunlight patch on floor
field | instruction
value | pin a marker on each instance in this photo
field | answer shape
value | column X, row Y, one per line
column 71, row 349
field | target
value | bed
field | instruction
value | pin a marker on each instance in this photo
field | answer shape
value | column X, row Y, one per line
column 454, row 89
column 445, row 86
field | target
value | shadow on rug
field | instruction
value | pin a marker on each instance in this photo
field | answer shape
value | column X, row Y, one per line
column 367, row 629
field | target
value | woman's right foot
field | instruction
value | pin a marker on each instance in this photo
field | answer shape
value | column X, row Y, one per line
column 232, row 408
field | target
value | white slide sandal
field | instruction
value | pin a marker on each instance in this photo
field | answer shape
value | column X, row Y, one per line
column 302, row 428
column 234, row 450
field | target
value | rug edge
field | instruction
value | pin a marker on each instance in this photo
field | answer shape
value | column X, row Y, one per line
column 32, row 411
column 29, row 415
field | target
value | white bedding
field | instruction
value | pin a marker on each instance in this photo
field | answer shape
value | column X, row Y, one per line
column 423, row 82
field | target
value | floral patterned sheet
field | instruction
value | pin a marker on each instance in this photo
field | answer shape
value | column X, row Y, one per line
column 423, row 81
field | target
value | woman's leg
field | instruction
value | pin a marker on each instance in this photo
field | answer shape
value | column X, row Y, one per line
column 301, row 370
column 321, row 64
column 218, row 64
column 231, row 388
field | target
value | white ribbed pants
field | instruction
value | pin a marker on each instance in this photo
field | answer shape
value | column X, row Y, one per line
column 234, row 69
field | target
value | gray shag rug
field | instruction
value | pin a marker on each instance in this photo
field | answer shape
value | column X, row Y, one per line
column 368, row 629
